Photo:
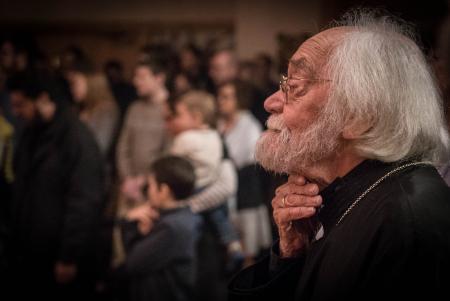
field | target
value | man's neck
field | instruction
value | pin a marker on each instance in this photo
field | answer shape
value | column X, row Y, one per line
column 324, row 173
column 158, row 96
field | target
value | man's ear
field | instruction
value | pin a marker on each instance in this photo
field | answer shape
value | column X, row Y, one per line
column 354, row 129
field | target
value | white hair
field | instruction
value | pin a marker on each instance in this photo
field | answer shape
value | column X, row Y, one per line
column 380, row 77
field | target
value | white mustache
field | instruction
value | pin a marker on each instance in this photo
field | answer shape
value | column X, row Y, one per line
column 275, row 122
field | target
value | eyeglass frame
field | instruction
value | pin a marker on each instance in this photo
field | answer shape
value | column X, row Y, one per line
column 284, row 85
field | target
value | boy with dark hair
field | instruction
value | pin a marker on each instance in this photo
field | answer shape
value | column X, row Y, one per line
column 160, row 239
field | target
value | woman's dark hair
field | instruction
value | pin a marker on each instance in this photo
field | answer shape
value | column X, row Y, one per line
column 33, row 83
column 177, row 173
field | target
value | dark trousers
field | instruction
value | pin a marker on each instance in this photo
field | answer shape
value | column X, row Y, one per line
column 218, row 221
column 35, row 279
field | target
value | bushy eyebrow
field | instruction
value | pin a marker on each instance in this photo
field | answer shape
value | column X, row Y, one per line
column 302, row 65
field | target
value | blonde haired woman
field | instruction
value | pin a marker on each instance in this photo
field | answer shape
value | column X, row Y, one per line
column 97, row 107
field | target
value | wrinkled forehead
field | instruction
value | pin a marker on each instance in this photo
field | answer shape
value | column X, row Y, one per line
column 300, row 65
column 313, row 54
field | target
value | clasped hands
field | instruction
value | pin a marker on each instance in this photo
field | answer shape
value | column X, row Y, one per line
column 294, row 205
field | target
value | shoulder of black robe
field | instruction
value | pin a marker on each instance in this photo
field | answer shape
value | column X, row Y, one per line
column 395, row 242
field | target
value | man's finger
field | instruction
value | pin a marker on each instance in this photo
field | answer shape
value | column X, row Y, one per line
column 280, row 188
column 286, row 215
column 295, row 200
column 298, row 180
column 307, row 189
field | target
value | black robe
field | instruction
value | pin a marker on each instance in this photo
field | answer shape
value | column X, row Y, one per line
column 57, row 199
column 395, row 243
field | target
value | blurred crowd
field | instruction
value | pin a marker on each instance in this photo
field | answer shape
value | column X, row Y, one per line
column 135, row 189
column 89, row 161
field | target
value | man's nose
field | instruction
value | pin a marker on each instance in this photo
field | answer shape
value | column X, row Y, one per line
column 274, row 103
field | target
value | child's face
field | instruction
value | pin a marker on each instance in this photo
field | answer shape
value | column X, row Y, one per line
column 182, row 120
column 155, row 192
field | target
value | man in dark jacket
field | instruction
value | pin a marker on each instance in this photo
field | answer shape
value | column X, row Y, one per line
column 365, row 215
column 57, row 194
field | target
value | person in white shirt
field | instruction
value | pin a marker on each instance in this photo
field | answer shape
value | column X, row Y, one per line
column 241, row 131
column 192, row 126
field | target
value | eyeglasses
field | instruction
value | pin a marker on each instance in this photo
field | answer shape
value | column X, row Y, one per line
column 295, row 87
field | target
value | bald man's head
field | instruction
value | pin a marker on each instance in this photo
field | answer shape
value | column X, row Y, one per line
column 314, row 53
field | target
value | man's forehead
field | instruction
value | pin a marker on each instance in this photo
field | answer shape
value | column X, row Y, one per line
column 300, row 64
column 312, row 53
column 308, row 57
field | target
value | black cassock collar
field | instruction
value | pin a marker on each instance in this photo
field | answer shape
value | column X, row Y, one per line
column 342, row 192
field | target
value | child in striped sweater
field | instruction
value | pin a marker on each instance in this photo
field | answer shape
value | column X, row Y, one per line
column 192, row 125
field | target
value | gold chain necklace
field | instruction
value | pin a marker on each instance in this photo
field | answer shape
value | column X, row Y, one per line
column 375, row 185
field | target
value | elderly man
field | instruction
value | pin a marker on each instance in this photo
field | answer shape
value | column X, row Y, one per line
column 365, row 215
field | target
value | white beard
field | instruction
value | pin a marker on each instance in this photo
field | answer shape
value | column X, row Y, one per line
column 284, row 151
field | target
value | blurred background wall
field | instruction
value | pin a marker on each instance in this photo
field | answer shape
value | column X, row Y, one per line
column 107, row 29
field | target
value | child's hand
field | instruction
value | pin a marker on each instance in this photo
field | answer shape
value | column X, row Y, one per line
column 132, row 188
column 145, row 216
